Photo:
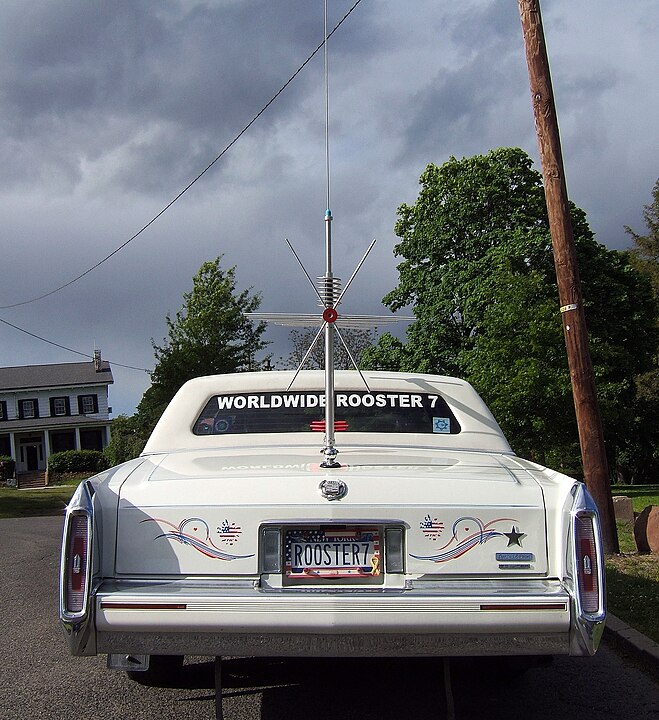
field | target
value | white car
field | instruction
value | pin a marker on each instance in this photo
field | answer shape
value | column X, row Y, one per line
column 228, row 536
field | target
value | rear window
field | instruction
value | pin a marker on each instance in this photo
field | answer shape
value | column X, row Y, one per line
column 383, row 412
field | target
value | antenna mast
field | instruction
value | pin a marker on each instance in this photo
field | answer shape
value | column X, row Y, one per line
column 329, row 288
column 329, row 294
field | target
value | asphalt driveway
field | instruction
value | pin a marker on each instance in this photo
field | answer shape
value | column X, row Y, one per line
column 40, row 680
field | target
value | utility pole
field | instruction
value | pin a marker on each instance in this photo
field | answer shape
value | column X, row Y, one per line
column 589, row 423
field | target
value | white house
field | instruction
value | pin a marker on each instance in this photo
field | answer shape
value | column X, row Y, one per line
column 45, row 409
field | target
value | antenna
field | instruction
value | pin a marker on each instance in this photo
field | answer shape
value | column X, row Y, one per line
column 329, row 294
column 329, row 287
column 327, row 115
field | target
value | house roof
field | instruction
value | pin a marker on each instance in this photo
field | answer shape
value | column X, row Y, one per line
column 56, row 375
column 52, row 423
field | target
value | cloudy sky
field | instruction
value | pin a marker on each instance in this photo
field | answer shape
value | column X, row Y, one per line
column 108, row 109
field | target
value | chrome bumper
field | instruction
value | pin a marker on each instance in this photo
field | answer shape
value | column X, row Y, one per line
column 436, row 618
column 343, row 645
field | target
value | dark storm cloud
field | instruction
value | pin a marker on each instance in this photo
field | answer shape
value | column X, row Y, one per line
column 462, row 108
column 164, row 85
column 460, row 111
column 485, row 25
column 108, row 109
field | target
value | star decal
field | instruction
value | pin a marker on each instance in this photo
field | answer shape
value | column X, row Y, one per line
column 441, row 424
column 514, row 537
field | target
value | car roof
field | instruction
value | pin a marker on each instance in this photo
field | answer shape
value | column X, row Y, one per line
column 480, row 430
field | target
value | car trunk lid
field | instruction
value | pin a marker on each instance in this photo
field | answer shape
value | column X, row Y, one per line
column 201, row 513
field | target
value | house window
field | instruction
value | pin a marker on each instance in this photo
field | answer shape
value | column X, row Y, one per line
column 63, row 440
column 59, row 406
column 28, row 409
column 3, row 410
column 87, row 404
column 92, row 439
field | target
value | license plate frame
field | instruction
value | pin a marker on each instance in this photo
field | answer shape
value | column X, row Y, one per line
column 347, row 553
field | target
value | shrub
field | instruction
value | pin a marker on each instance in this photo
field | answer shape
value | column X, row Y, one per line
column 129, row 436
column 7, row 467
column 73, row 461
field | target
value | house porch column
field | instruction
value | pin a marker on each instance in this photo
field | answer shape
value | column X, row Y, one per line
column 46, row 434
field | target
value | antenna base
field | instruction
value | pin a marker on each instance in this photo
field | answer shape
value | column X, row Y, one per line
column 330, row 460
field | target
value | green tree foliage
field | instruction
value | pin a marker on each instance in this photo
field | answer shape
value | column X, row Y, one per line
column 128, row 438
column 210, row 335
column 478, row 270
column 74, row 461
column 645, row 254
column 642, row 449
column 7, row 468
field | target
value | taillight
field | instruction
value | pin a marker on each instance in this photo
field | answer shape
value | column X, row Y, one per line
column 77, row 565
column 587, row 563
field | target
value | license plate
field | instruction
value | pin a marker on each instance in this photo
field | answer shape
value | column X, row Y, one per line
column 332, row 553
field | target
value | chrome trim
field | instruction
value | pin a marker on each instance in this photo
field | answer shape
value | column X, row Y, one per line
column 586, row 628
column 281, row 526
column 324, row 521
column 332, row 489
column 79, row 626
column 436, row 617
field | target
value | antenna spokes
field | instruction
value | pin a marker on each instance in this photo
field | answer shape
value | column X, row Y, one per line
column 329, row 295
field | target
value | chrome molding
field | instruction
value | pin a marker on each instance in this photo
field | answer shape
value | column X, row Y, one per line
column 79, row 626
column 586, row 628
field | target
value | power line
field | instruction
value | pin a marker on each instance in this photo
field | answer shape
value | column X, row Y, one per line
column 191, row 183
column 158, row 215
column 63, row 347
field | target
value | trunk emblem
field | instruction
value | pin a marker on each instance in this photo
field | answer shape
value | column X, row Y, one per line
column 333, row 489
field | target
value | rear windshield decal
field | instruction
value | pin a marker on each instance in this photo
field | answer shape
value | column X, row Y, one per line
column 392, row 412
column 441, row 425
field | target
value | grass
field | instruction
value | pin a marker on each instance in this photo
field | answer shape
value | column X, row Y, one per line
column 632, row 579
column 73, row 478
column 641, row 495
column 50, row 500
column 31, row 503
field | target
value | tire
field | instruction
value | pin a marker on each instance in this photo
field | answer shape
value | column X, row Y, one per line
column 164, row 671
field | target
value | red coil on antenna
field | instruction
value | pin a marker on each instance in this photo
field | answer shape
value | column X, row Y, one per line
column 330, row 315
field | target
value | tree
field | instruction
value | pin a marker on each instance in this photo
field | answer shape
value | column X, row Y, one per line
column 356, row 340
column 478, row 270
column 209, row 335
column 645, row 254
column 641, row 457
column 127, row 439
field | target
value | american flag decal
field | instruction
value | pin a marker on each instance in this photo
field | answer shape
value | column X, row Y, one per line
column 229, row 532
column 195, row 533
column 469, row 533
column 432, row 528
